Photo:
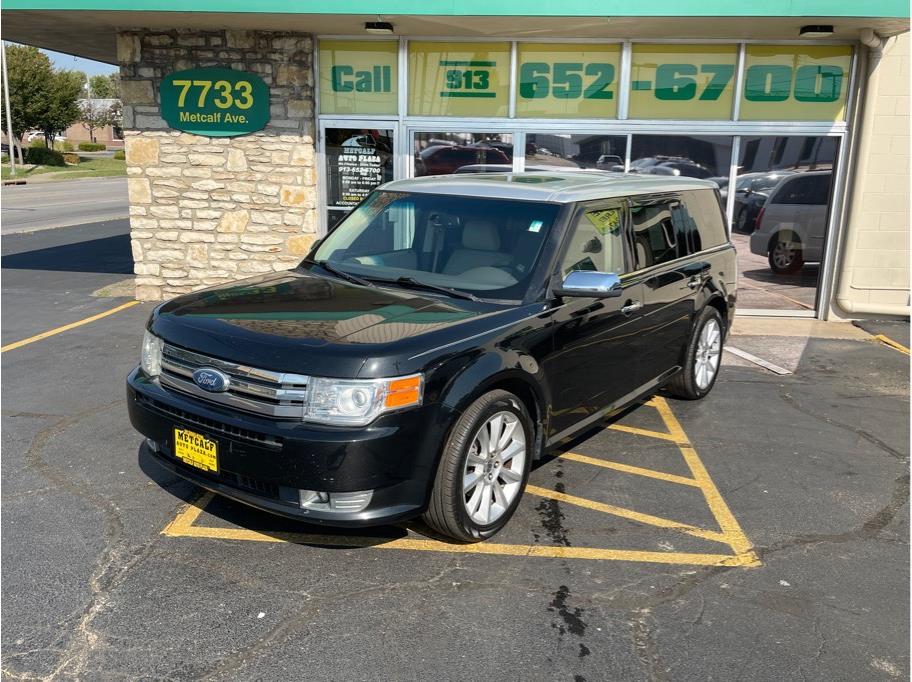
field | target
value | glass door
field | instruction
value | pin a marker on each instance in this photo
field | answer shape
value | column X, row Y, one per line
column 357, row 156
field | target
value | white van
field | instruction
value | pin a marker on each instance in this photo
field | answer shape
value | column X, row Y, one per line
column 791, row 227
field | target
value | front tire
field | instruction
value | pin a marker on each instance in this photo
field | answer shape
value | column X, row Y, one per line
column 483, row 469
column 702, row 358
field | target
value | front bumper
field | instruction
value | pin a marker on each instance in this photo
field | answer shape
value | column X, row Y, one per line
column 759, row 243
column 265, row 462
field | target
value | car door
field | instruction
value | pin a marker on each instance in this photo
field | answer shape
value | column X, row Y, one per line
column 597, row 341
column 668, row 277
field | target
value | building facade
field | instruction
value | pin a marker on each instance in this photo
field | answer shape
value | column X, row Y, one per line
column 801, row 116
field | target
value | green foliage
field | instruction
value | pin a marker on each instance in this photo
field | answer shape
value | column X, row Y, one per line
column 4, row 158
column 91, row 147
column 61, row 111
column 42, row 156
column 63, row 146
column 37, row 142
column 120, row 155
column 105, row 87
column 29, row 82
column 40, row 97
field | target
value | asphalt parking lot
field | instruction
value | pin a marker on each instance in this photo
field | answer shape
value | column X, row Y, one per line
column 759, row 534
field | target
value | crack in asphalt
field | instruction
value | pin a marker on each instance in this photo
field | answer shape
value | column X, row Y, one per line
column 117, row 559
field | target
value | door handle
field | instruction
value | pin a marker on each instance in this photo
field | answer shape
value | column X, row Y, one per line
column 631, row 307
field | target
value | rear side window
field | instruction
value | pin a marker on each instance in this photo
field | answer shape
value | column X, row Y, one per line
column 706, row 219
column 805, row 190
column 659, row 232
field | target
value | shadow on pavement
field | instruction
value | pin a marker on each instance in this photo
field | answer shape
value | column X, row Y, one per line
column 108, row 255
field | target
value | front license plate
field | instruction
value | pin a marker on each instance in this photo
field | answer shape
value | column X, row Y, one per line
column 195, row 450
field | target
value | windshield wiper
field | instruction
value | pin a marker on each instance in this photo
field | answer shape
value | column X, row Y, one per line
column 340, row 273
column 411, row 282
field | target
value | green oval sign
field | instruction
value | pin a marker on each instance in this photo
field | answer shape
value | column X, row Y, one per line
column 215, row 102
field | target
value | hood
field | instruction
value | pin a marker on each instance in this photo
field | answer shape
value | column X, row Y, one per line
column 300, row 322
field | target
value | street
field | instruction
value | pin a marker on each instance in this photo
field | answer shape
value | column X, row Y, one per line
column 40, row 205
column 759, row 534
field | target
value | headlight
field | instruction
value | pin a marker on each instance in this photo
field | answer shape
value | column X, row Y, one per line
column 358, row 402
column 151, row 357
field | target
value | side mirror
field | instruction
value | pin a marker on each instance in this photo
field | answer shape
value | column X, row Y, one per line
column 588, row 283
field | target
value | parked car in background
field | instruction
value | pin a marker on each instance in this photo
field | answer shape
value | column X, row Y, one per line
column 609, row 162
column 445, row 334
column 445, row 160
column 751, row 192
column 792, row 224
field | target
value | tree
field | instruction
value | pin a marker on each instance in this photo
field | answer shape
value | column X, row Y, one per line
column 30, row 75
column 105, row 87
column 61, row 110
column 95, row 114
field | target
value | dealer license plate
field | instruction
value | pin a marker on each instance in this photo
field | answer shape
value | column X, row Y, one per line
column 195, row 450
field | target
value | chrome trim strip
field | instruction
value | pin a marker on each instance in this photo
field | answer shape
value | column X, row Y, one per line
column 234, row 368
column 240, row 385
column 295, row 411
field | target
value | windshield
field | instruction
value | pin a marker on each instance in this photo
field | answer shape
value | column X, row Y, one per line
column 485, row 247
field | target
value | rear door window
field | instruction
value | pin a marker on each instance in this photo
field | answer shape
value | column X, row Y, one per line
column 808, row 190
column 659, row 231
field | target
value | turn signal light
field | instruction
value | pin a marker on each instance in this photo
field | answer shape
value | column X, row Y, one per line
column 403, row 392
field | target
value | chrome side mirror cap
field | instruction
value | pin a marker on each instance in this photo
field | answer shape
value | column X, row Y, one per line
column 588, row 283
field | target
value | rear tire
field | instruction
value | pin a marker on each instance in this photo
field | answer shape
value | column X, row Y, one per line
column 785, row 254
column 483, row 469
column 702, row 358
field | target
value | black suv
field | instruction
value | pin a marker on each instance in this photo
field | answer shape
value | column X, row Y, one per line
column 448, row 332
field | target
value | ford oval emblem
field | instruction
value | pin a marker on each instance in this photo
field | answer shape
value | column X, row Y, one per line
column 211, row 380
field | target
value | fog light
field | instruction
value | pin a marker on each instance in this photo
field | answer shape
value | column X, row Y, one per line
column 335, row 502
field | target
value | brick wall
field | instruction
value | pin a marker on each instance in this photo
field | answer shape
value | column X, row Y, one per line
column 205, row 210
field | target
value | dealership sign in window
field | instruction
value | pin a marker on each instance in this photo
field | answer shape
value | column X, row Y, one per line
column 682, row 81
column 214, row 102
column 459, row 79
column 567, row 81
column 359, row 76
column 795, row 83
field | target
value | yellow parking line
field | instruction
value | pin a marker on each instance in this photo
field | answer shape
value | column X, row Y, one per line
column 642, row 432
column 630, row 514
column 183, row 525
column 730, row 527
column 886, row 340
column 628, row 469
column 67, row 327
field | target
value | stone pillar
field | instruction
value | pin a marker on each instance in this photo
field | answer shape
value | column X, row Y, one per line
column 206, row 210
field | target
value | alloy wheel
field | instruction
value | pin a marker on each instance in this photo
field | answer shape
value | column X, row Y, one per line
column 494, row 468
column 709, row 348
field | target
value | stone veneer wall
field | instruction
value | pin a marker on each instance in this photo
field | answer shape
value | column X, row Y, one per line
column 205, row 210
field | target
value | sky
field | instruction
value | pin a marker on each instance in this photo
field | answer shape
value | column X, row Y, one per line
column 90, row 67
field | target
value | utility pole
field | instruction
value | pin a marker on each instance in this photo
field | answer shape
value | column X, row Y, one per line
column 9, row 121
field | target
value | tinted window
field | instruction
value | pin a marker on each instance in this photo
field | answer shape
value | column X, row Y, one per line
column 805, row 189
column 708, row 224
column 659, row 232
column 596, row 242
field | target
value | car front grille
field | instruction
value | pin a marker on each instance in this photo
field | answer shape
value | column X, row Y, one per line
column 274, row 394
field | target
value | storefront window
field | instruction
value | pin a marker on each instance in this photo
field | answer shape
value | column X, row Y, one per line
column 359, row 77
column 682, row 81
column 565, row 150
column 690, row 156
column 459, row 79
column 800, row 83
column 447, row 153
column 357, row 160
column 567, row 81
column 783, row 196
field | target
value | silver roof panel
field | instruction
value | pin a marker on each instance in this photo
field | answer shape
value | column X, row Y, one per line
column 558, row 186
